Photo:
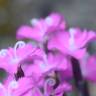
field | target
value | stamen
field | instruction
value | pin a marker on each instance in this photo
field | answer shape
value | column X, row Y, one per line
column 19, row 44
column 49, row 82
column 13, row 57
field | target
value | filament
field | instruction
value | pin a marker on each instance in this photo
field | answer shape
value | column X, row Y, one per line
column 49, row 82
column 19, row 44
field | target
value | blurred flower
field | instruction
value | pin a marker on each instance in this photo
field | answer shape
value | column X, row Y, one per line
column 12, row 58
column 88, row 66
column 41, row 28
column 59, row 90
column 72, row 42
column 53, row 63
column 11, row 87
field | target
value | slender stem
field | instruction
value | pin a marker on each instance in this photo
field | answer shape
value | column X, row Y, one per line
column 80, row 83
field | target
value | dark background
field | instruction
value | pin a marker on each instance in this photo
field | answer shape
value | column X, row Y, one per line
column 14, row 13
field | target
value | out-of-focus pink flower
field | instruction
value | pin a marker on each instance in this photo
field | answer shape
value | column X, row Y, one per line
column 51, row 64
column 59, row 90
column 41, row 28
column 11, row 87
column 48, row 88
column 12, row 58
column 72, row 42
column 88, row 66
column 63, row 87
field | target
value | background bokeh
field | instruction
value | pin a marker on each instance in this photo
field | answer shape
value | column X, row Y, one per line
column 13, row 13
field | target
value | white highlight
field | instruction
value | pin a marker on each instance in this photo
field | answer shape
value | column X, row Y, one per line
column 49, row 21
column 34, row 21
column 8, row 91
column 72, row 45
column 3, row 52
column 19, row 44
column 15, row 58
column 13, row 85
column 49, row 82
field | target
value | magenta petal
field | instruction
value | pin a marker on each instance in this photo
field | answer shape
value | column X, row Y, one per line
column 57, row 22
column 89, row 68
column 14, row 58
column 65, row 87
column 29, row 33
column 59, row 39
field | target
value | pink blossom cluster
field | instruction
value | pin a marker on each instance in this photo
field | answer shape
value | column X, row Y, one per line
column 44, row 68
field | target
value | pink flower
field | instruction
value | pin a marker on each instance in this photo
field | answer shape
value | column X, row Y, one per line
column 49, row 89
column 63, row 87
column 12, row 58
column 72, row 42
column 88, row 66
column 11, row 87
column 49, row 64
column 41, row 28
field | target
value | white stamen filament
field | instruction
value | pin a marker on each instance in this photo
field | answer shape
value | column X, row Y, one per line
column 19, row 44
column 13, row 57
column 72, row 45
column 49, row 82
